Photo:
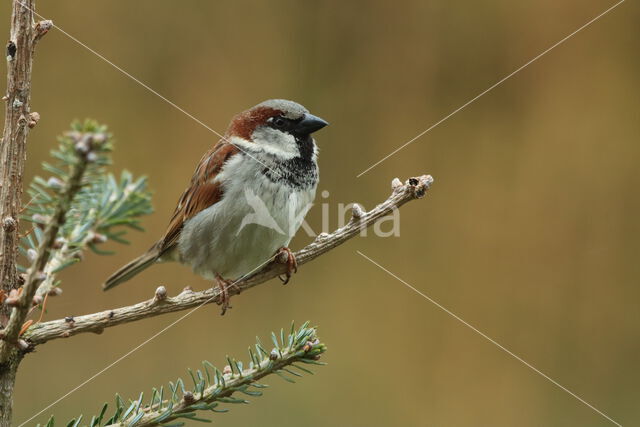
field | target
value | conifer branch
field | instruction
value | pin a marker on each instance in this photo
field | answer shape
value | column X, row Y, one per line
column 213, row 387
column 412, row 189
column 75, row 209
column 86, row 150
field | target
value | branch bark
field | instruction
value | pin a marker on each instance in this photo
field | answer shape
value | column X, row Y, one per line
column 18, row 120
column 160, row 304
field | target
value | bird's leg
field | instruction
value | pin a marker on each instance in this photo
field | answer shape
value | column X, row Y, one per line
column 285, row 256
column 224, row 286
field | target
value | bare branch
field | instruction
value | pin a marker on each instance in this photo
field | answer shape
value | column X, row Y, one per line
column 161, row 303
column 18, row 120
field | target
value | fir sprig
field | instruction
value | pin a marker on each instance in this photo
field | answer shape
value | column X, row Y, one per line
column 169, row 406
column 101, row 210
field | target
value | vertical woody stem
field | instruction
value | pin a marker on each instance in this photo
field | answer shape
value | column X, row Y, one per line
column 18, row 120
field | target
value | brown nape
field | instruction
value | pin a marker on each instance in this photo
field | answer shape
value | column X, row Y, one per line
column 246, row 122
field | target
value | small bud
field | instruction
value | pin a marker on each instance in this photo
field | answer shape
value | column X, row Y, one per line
column 58, row 243
column 40, row 219
column 75, row 135
column 357, row 211
column 37, row 300
column 188, row 398
column 161, row 293
column 22, row 344
column 187, row 289
column 99, row 138
column 17, row 103
column 92, row 157
column 32, row 254
column 322, row 236
column 98, row 238
column 55, row 183
column 55, row 292
column 12, row 301
column 83, row 146
column 43, row 28
column 9, row 224
column 396, row 183
column 306, row 347
column 33, row 119
column 227, row 370
column 273, row 355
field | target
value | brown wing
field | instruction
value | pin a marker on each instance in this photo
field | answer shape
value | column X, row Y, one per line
column 201, row 193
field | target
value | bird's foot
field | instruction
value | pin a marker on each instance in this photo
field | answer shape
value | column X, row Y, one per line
column 224, row 286
column 285, row 256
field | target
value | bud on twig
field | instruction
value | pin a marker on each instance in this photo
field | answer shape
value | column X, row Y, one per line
column 395, row 184
column 9, row 224
column 32, row 254
column 98, row 238
column 33, row 119
column 188, row 398
column 161, row 293
column 55, row 183
column 54, row 292
column 357, row 211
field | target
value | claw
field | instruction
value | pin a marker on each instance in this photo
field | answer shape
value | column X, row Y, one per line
column 292, row 264
column 224, row 286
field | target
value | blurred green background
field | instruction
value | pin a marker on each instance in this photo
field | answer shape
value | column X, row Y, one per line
column 530, row 232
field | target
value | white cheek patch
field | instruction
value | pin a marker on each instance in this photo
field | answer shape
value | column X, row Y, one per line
column 275, row 142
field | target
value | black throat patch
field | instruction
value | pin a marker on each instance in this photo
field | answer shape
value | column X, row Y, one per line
column 300, row 172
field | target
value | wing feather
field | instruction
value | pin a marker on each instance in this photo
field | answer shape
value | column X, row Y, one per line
column 203, row 192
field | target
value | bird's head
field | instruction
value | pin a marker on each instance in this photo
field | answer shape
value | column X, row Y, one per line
column 277, row 126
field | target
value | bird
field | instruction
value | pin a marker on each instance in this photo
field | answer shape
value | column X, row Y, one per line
column 247, row 197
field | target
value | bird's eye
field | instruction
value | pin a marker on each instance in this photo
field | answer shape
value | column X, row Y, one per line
column 279, row 122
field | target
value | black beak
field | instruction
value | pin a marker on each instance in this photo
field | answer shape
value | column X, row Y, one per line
column 309, row 124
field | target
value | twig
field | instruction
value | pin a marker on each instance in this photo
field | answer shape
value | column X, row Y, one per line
column 97, row 322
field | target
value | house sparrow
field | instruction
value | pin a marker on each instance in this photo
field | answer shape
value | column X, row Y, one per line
column 266, row 161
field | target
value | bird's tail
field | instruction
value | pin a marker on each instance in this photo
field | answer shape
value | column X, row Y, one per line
column 131, row 269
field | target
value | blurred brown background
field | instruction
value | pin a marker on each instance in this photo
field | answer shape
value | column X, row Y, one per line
column 530, row 233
